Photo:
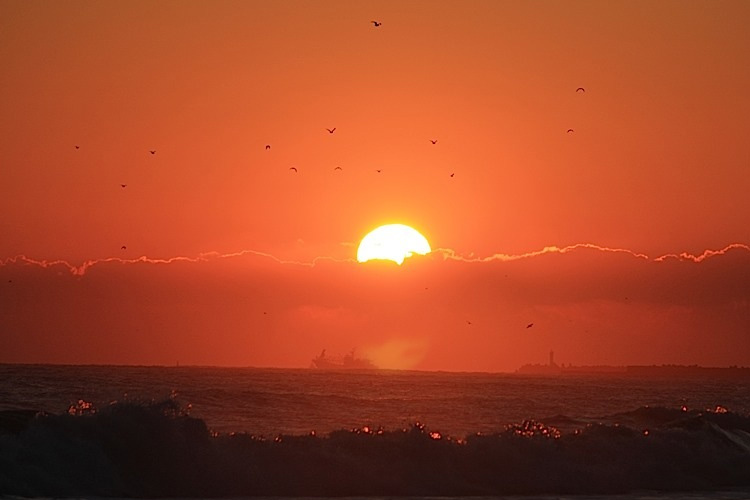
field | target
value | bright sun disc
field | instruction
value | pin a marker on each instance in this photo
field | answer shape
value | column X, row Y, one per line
column 392, row 242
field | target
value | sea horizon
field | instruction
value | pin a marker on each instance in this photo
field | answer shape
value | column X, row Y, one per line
column 405, row 370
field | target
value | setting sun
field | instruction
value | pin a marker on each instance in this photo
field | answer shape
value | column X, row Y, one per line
column 393, row 242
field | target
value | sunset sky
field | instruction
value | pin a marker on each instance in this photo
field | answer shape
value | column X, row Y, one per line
column 624, row 241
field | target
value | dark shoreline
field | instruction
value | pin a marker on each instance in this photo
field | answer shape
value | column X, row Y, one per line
column 661, row 371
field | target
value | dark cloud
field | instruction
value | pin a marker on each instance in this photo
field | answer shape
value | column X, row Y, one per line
column 435, row 312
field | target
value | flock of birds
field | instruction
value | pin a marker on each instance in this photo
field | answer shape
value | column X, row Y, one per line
column 434, row 142
column 330, row 131
column 375, row 24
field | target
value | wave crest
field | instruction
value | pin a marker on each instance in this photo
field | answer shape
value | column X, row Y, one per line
column 157, row 449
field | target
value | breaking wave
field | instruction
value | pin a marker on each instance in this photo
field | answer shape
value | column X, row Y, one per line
column 157, row 449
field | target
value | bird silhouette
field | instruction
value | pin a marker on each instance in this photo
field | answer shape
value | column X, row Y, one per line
column 580, row 89
column 529, row 325
column 467, row 321
column 268, row 146
column 78, row 147
column 152, row 152
column 293, row 168
column 453, row 174
column 570, row 130
column 123, row 247
column 331, row 130
column 434, row 141
column 338, row 168
column 123, row 185
column 376, row 23
column 378, row 171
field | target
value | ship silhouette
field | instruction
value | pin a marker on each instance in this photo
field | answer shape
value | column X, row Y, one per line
column 346, row 362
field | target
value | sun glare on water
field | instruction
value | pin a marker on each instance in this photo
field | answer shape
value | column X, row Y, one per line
column 393, row 242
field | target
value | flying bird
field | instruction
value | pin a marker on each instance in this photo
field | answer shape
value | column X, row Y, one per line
column 123, row 247
column 570, row 130
column 331, row 130
column 293, row 168
column 580, row 89
column 78, row 147
column 529, row 325
column 434, row 141
column 378, row 171
column 376, row 23
column 338, row 168
column 123, row 185
column 153, row 152
column 268, row 146
column 453, row 174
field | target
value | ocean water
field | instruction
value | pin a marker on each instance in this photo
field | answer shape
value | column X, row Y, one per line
column 198, row 432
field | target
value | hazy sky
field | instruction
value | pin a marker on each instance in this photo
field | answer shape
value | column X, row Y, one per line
column 658, row 164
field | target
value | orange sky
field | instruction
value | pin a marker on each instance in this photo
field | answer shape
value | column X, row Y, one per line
column 658, row 164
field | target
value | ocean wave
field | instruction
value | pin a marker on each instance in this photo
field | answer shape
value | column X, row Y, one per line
column 157, row 449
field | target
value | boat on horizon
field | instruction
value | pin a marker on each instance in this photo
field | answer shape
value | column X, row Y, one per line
column 347, row 362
